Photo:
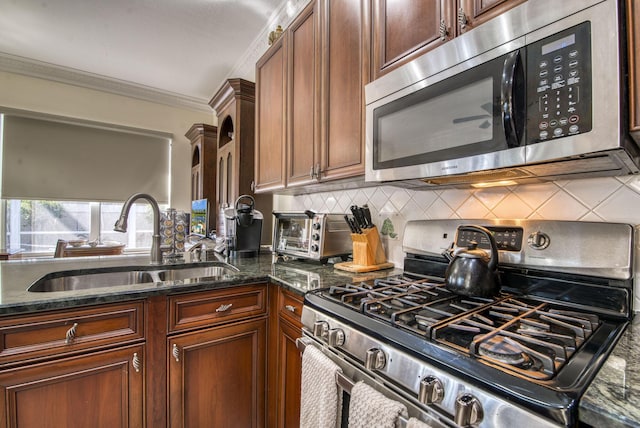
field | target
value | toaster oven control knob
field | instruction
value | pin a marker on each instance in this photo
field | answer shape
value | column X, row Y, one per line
column 315, row 236
column 316, row 226
column 314, row 248
column 539, row 240
column 321, row 329
column 431, row 390
column 468, row 410
column 375, row 359
column 336, row 337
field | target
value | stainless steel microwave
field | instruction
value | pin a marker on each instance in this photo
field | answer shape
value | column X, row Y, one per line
column 537, row 92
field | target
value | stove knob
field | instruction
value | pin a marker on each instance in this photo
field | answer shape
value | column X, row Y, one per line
column 538, row 240
column 336, row 337
column 321, row 329
column 431, row 390
column 468, row 410
column 375, row 359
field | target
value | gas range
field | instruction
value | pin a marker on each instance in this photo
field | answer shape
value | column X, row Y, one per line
column 523, row 357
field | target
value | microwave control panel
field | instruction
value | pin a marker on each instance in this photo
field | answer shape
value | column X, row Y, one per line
column 559, row 85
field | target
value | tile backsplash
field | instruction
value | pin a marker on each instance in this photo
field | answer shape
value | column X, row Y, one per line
column 609, row 199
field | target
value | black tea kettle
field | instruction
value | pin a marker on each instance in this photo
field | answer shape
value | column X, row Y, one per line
column 471, row 271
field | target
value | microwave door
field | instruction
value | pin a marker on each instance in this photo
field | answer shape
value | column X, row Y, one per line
column 470, row 121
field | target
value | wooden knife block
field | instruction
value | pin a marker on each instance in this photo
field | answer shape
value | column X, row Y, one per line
column 368, row 253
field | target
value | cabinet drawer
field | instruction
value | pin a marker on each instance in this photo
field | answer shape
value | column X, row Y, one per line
column 203, row 309
column 290, row 306
column 63, row 332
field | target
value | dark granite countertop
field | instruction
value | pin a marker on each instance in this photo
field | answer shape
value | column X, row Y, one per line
column 17, row 275
column 613, row 399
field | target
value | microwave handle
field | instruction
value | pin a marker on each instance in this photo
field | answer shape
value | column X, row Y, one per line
column 510, row 77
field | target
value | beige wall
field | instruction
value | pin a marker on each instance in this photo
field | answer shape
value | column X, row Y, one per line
column 44, row 96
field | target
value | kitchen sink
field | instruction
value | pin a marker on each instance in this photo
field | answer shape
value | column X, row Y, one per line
column 127, row 275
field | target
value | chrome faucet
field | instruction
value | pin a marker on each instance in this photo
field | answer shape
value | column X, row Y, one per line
column 121, row 223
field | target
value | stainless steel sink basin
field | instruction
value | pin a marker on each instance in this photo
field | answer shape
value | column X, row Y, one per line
column 110, row 277
column 196, row 273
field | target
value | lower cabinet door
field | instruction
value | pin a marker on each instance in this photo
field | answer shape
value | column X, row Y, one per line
column 217, row 376
column 290, row 370
column 101, row 389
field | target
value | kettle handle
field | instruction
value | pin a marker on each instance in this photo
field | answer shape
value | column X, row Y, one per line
column 253, row 201
column 493, row 261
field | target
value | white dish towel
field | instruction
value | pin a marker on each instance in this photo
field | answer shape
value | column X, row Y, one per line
column 321, row 400
column 416, row 423
column 368, row 408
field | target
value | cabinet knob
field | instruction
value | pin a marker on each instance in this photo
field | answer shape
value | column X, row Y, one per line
column 135, row 361
column 71, row 333
column 175, row 352
column 253, row 185
column 290, row 308
column 462, row 19
column 443, row 30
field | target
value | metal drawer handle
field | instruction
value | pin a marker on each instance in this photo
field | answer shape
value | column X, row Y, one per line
column 224, row 307
column 71, row 333
column 290, row 308
column 135, row 361
column 176, row 353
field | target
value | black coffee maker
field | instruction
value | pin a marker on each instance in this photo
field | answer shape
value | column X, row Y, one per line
column 243, row 228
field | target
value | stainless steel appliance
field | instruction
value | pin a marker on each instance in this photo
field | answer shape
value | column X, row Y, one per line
column 536, row 94
column 522, row 358
column 311, row 235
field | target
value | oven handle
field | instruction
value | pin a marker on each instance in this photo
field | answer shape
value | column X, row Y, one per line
column 341, row 380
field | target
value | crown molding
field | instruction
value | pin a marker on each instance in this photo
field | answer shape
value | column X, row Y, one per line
column 42, row 70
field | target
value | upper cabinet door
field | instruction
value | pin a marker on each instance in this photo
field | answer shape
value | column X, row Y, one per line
column 270, row 118
column 345, row 72
column 472, row 13
column 405, row 29
column 303, row 80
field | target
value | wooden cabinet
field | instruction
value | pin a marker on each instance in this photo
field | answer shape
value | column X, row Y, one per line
column 271, row 72
column 285, row 359
column 320, row 65
column 633, row 41
column 74, row 368
column 235, row 104
column 216, row 375
column 203, row 139
column 405, row 29
column 103, row 389
column 303, row 104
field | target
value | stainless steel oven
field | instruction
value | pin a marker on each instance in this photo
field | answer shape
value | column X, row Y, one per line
column 310, row 235
column 522, row 358
column 537, row 93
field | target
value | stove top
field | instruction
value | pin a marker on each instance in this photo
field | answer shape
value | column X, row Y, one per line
column 565, row 299
column 528, row 337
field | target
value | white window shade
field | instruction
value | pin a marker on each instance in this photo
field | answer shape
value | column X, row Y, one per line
column 53, row 160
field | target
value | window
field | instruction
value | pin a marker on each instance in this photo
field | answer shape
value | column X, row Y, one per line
column 35, row 226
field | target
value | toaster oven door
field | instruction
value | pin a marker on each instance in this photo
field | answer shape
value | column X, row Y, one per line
column 292, row 235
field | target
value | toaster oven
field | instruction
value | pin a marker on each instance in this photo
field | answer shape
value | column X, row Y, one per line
column 311, row 235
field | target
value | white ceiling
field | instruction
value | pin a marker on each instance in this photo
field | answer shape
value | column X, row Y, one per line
column 183, row 47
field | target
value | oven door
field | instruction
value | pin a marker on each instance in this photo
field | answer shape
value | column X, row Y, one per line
column 353, row 372
column 292, row 234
